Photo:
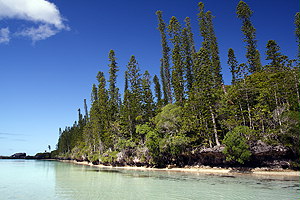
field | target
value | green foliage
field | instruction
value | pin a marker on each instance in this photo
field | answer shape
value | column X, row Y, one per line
column 297, row 33
column 188, row 46
column 45, row 155
column 210, row 43
column 233, row 64
column 277, row 59
column 147, row 98
column 54, row 154
column 173, row 146
column 153, row 139
column 174, row 30
column 244, row 12
column 124, row 144
column 165, row 61
column 261, row 106
column 109, row 157
column 168, row 121
column 157, row 89
column 94, row 157
column 113, row 89
column 142, row 130
column 290, row 131
column 237, row 148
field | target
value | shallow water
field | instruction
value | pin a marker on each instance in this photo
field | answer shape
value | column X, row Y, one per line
column 36, row 180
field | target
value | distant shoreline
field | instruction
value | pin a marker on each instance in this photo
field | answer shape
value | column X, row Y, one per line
column 259, row 172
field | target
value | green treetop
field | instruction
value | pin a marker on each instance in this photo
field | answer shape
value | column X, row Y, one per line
column 165, row 69
column 210, row 43
column 177, row 72
column 233, row 64
column 188, row 48
column 157, row 90
column 297, row 32
column 276, row 58
column 113, row 89
column 244, row 13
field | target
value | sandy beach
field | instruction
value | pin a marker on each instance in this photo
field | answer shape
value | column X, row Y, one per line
column 259, row 172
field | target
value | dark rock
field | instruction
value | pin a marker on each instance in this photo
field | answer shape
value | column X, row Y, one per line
column 19, row 155
column 264, row 155
column 205, row 156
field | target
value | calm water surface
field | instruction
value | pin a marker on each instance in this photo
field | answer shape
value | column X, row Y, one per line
column 36, row 180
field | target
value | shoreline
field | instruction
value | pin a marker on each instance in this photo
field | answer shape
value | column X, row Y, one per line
column 258, row 172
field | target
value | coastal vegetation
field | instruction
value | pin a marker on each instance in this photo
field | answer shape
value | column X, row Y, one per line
column 165, row 120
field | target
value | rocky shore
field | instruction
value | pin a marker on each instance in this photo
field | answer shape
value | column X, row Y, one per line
column 266, row 160
column 284, row 174
column 46, row 155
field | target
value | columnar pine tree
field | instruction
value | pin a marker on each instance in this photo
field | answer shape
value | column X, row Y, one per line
column 214, row 51
column 244, row 13
column 165, row 69
column 190, row 34
column 94, row 95
column 113, row 89
column 157, row 90
column 126, row 81
column 233, row 64
column 276, row 58
column 203, row 26
column 86, row 116
column 210, row 43
column 177, row 69
column 147, row 98
column 96, row 131
column 163, row 81
column 297, row 32
column 203, row 95
column 188, row 48
column 132, row 108
column 102, row 116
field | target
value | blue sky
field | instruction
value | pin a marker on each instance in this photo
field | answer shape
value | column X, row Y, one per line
column 50, row 53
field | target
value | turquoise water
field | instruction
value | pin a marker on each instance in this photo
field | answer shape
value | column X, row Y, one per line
column 37, row 180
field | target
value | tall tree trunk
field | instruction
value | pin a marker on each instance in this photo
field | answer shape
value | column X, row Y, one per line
column 297, row 81
column 214, row 126
column 244, row 120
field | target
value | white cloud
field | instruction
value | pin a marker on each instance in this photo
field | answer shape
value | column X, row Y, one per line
column 41, row 12
column 42, row 32
column 4, row 35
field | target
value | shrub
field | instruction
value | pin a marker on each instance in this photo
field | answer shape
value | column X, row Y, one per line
column 237, row 148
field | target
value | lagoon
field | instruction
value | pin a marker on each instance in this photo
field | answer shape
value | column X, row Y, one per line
column 37, row 179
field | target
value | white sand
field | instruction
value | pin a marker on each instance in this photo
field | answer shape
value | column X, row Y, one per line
column 261, row 172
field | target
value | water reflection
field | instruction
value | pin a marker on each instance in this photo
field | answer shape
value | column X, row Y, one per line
column 85, row 182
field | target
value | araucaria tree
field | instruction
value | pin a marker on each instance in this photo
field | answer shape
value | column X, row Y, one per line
column 157, row 89
column 113, row 89
column 174, row 30
column 277, row 59
column 244, row 13
column 165, row 61
column 210, row 43
column 188, row 49
column 132, row 107
column 202, row 98
column 297, row 32
column 233, row 65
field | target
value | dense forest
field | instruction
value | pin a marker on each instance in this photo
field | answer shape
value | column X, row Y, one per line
column 190, row 107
